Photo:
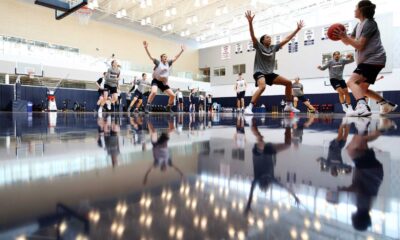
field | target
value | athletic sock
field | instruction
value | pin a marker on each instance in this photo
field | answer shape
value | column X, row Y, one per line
column 251, row 106
column 361, row 101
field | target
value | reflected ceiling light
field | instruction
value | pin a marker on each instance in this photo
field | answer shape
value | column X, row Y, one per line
column 304, row 235
column 114, row 227
column 251, row 220
column 293, row 233
column 275, row 214
column 266, row 212
column 307, row 223
column 260, row 224
column 203, row 223
column 231, row 232
column 62, row 227
column 241, row 235
column 317, row 225
column 179, row 233
column 22, row 237
column 120, row 229
column 196, row 221
column 81, row 237
column 148, row 221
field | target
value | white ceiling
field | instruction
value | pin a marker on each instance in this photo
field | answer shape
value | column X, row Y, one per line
column 211, row 22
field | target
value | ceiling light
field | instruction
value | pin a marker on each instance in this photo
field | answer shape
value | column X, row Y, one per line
column 182, row 34
column 123, row 12
column 143, row 22
column 149, row 2
column 225, row 10
column 189, row 21
column 167, row 13
column 164, row 28
column 197, row 3
column 118, row 15
column 173, row 11
column 218, row 12
column 148, row 20
column 194, row 19
column 205, row 2
column 169, row 26
column 187, row 33
column 142, row 4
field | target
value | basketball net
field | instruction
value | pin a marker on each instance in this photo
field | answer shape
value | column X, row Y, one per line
column 84, row 14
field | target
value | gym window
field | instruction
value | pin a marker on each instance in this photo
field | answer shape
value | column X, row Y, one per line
column 239, row 68
column 219, row 72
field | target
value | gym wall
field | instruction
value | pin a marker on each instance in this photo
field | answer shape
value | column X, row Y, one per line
column 30, row 21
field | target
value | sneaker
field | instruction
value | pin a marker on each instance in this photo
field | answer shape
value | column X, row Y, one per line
column 248, row 111
column 289, row 108
column 248, row 120
column 362, row 125
column 169, row 109
column 362, row 110
column 387, row 108
column 345, row 108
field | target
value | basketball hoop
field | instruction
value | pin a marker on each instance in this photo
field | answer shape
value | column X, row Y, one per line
column 84, row 14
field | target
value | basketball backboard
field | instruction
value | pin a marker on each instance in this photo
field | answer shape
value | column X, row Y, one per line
column 62, row 8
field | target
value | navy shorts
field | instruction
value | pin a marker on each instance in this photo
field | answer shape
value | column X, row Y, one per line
column 302, row 98
column 137, row 94
column 111, row 90
column 240, row 95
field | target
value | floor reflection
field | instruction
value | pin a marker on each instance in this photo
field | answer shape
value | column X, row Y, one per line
column 190, row 176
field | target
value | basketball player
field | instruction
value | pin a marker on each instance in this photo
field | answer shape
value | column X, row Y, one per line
column 192, row 100
column 201, row 103
column 160, row 77
column 102, row 94
column 179, row 95
column 140, row 84
column 336, row 67
column 111, row 84
column 209, row 103
column 298, row 94
column 240, row 88
column 264, row 64
column 371, row 59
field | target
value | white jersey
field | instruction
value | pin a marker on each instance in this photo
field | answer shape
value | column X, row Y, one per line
column 161, row 70
column 240, row 85
column 179, row 94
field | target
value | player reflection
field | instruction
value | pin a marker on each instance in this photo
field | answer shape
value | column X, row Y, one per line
column 109, row 137
column 161, row 153
column 264, row 161
column 368, row 171
column 138, row 130
column 334, row 161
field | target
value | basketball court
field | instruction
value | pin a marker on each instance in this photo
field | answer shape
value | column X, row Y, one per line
column 147, row 119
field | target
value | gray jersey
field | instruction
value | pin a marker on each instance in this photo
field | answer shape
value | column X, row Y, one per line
column 141, row 85
column 373, row 52
column 297, row 89
column 264, row 61
column 336, row 67
column 112, row 77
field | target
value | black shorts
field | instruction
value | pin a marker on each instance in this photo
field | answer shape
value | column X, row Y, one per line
column 336, row 83
column 160, row 85
column 369, row 71
column 240, row 95
column 180, row 100
column 201, row 103
column 137, row 94
column 101, row 92
column 192, row 100
column 111, row 90
column 240, row 130
column 269, row 77
column 209, row 105
column 302, row 98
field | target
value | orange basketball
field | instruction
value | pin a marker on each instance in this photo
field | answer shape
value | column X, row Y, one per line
column 331, row 30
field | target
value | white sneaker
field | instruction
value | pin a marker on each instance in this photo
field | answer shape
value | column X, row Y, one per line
column 289, row 108
column 248, row 120
column 100, row 109
column 362, row 110
column 387, row 108
column 248, row 111
column 362, row 124
column 345, row 108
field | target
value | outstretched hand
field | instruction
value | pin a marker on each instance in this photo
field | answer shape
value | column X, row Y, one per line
column 300, row 25
column 337, row 33
column 145, row 44
column 250, row 16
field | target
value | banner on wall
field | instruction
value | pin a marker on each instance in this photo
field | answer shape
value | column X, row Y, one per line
column 277, row 39
column 324, row 35
column 250, row 46
column 309, row 37
column 225, row 52
column 238, row 48
column 293, row 45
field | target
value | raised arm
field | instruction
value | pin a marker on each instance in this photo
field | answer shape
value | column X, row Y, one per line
column 300, row 25
column 323, row 67
column 179, row 54
column 146, row 47
column 250, row 18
